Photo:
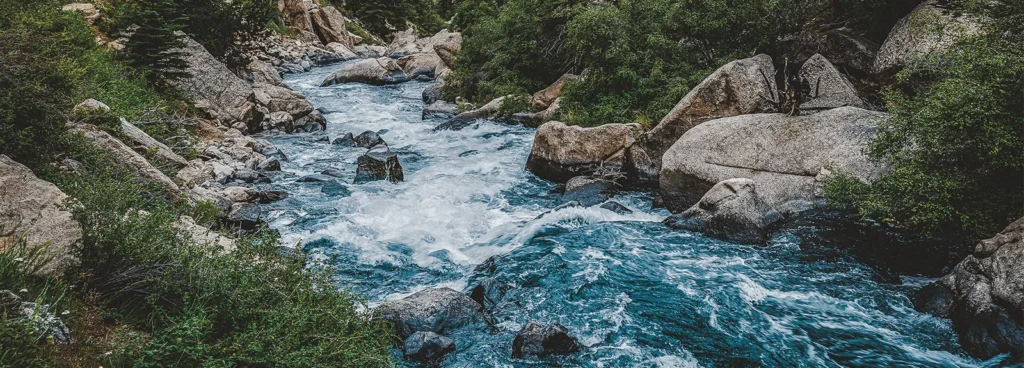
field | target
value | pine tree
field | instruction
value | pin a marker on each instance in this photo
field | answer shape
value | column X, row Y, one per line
column 154, row 45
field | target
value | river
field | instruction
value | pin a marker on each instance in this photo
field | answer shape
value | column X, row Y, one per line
column 634, row 293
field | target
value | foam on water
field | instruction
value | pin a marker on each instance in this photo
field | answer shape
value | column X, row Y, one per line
column 635, row 293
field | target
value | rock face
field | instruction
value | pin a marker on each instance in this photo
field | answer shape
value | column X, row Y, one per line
column 329, row 26
column 928, row 29
column 379, row 71
column 787, row 156
column 561, row 152
column 829, row 88
column 379, row 166
column 984, row 296
column 740, row 87
column 34, row 208
column 431, row 310
column 541, row 341
column 261, row 72
column 125, row 157
column 296, row 14
column 143, row 142
column 544, row 98
column 733, row 210
column 427, row 347
column 215, row 89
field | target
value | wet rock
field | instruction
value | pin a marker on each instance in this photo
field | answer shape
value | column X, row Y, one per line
column 544, row 98
column 435, row 310
column 740, row 87
column 536, row 340
column 733, row 210
column 788, row 156
column 929, row 29
column 617, row 208
column 561, row 152
column 246, row 214
column 126, row 157
column 312, row 122
column 828, row 88
column 38, row 316
column 586, row 190
column 379, row 166
column 489, row 293
column 440, row 110
column 463, row 120
column 258, row 71
column 379, row 71
column 271, row 196
column 335, row 188
column 368, row 139
column 282, row 121
column 334, row 173
column 984, row 296
column 427, row 347
column 433, row 93
column 270, row 164
column 314, row 178
column 35, row 208
column 345, row 141
column 274, row 152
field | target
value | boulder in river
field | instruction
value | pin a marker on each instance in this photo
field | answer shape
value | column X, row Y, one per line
column 561, row 152
column 345, row 141
column 435, row 310
column 34, row 208
column 733, row 210
column 368, row 139
column 788, row 156
column 587, row 191
column 984, row 296
column 440, row 109
column 740, row 87
column 427, row 347
column 463, row 120
column 379, row 166
column 379, row 71
column 540, row 341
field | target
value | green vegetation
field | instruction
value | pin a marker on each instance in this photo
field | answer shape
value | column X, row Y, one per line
column 955, row 140
column 140, row 290
column 384, row 17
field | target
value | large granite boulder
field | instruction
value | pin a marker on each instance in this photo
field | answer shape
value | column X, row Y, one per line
column 143, row 143
column 433, row 310
column 329, row 26
column 126, row 157
column 984, row 296
column 536, row 340
column 221, row 94
column 296, row 14
column 258, row 71
column 561, row 152
column 930, row 28
column 733, row 210
column 378, row 71
column 829, row 89
column 35, row 209
column 788, row 156
column 545, row 97
column 423, row 64
column 277, row 99
column 740, row 87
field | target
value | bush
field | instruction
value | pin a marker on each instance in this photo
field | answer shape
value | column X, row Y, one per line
column 387, row 16
column 955, row 140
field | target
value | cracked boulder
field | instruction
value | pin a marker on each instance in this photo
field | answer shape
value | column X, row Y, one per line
column 561, row 152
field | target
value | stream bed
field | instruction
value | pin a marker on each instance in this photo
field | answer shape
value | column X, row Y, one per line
column 634, row 293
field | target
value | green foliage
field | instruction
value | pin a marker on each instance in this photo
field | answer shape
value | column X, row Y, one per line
column 154, row 46
column 20, row 263
column 955, row 139
column 21, row 348
column 383, row 17
column 359, row 31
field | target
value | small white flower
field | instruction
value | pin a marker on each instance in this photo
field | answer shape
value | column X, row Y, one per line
column 19, row 259
column 65, row 312
column 23, row 291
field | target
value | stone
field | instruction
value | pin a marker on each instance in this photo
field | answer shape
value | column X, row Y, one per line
column 201, row 235
column 561, row 152
column 420, row 64
column 345, row 141
column 536, row 119
column 216, row 199
column 845, row 49
column 368, row 139
column 427, row 347
column 281, row 99
column 312, row 122
column 544, row 98
column 733, row 210
column 314, row 178
column 258, row 71
column 213, row 88
column 587, row 191
column 90, row 107
column 35, row 209
column 335, row 188
column 126, row 157
column 247, row 214
column 344, row 52
column 403, row 44
column 434, row 92
column 788, row 156
column 927, row 30
column 984, row 296
column 271, row 196
column 282, row 120
column 329, row 26
column 536, row 340
column 828, row 88
column 489, row 293
column 370, row 51
column 436, row 310
column 740, row 87
column 461, row 121
column 270, row 164
column 379, row 71
column 240, row 194
column 39, row 316
column 616, row 207
column 296, row 14
column 145, row 144
column 379, row 166
column 440, row 110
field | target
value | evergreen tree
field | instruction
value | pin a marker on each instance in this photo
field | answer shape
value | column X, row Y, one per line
column 154, row 45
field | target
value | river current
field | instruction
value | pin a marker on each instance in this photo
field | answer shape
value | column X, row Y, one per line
column 634, row 293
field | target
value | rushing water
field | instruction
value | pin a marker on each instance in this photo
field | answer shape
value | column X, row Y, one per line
column 635, row 293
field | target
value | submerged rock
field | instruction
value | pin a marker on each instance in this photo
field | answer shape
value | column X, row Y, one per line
column 345, row 141
column 733, row 210
column 427, row 347
column 335, row 188
column 440, row 110
column 434, row 310
column 489, row 293
column 541, row 341
column 587, row 191
column 379, row 166
column 561, row 152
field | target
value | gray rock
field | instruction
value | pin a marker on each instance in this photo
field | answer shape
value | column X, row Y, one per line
column 143, row 143
column 788, row 156
column 928, row 29
column 201, row 235
column 214, row 88
column 379, row 71
column 420, row 64
column 258, row 71
column 427, row 347
column 345, row 141
column 218, row 200
column 245, row 213
column 435, row 310
column 732, row 210
column 434, row 93
column 489, row 293
column 335, row 188
column 561, row 152
column 35, row 208
column 315, row 178
column 370, row 51
column 460, row 121
column 536, row 340
column 90, row 107
column 544, row 98
column 740, row 87
column 616, row 207
column 368, row 139
column 38, row 316
column 278, row 99
column 312, row 122
column 440, row 110
column 329, row 26
column 586, row 190
column 848, row 51
column 126, row 157
column 379, row 166
column 296, row 15
column 270, row 164
column 536, row 119
column 271, row 196
column 829, row 88
column 984, row 296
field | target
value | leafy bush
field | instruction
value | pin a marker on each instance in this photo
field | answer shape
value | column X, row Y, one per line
column 383, row 17
column 955, row 140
